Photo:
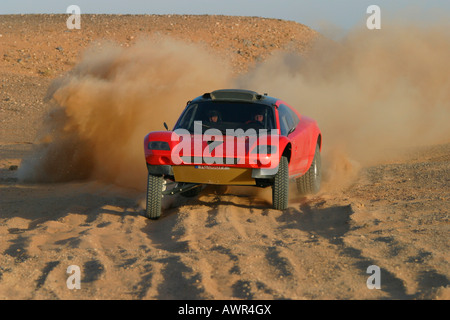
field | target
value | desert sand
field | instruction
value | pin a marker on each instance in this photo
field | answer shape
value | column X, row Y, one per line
column 391, row 212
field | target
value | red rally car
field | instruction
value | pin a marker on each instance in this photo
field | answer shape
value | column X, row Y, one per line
column 234, row 137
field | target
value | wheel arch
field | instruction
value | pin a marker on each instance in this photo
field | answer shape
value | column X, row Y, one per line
column 319, row 141
column 287, row 152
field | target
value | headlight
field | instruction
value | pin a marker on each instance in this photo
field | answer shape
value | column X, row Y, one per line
column 158, row 145
column 265, row 149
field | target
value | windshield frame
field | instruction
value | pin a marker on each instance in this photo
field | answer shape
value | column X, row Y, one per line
column 197, row 111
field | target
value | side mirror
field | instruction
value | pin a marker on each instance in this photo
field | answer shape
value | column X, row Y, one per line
column 165, row 126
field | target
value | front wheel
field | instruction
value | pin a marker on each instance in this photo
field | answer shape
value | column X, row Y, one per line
column 154, row 196
column 280, row 188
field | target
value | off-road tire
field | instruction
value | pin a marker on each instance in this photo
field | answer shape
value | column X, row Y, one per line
column 309, row 183
column 154, row 196
column 280, row 188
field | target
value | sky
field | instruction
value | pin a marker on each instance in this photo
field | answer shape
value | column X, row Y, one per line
column 317, row 14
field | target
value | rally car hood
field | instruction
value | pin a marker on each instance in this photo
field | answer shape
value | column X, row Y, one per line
column 188, row 149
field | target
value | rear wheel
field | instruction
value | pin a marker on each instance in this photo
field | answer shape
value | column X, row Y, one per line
column 280, row 188
column 309, row 183
column 154, row 195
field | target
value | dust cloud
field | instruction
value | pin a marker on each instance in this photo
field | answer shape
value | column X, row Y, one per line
column 373, row 93
column 110, row 101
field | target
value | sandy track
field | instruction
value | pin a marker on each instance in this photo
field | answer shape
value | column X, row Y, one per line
column 231, row 245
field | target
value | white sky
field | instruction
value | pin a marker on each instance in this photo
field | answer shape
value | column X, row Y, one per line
column 318, row 14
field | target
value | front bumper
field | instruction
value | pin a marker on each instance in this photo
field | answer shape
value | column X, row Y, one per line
column 220, row 175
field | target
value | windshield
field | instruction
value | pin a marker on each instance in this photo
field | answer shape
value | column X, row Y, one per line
column 227, row 115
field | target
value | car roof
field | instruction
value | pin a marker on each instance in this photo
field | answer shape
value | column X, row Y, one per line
column 236, row 95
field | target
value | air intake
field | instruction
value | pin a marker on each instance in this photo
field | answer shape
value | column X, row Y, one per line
column 235, row 94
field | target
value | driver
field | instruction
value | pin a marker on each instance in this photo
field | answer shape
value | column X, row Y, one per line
column 213, row 116
column 257, row 117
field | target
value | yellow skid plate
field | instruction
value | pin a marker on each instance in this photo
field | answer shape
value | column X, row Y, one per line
column 213, row 175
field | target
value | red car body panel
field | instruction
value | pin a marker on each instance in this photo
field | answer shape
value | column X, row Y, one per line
column 302, row 142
